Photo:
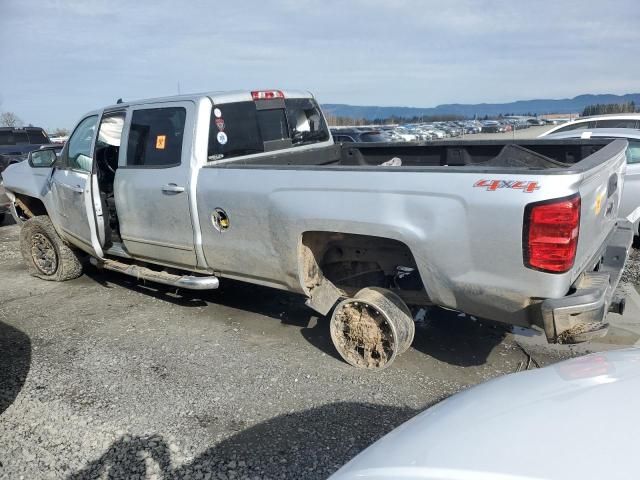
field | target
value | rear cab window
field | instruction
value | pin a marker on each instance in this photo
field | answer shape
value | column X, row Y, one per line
column 252, row 127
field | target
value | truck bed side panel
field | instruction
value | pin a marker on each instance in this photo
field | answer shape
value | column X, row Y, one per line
column 467, row 241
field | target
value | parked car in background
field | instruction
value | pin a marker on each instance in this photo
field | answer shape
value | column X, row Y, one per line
column 615, row 120
column 471, row 128
column 358, row 135
column 435, row 132
column 631, row 191
column 491, row 126
column 505, row 126
column 536, row 122
column 61, row 140
column 571, row 420
column 555, row 121
column 20, row 141
column 405, row 134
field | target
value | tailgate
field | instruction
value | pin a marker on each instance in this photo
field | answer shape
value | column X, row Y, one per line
column 600, row 192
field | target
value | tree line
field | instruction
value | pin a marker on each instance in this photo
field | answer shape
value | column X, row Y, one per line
column 603, row 108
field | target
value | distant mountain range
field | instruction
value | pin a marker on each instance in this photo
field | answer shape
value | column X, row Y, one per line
column 520, row 107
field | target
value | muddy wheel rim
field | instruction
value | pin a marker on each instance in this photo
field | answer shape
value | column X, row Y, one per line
column 362, row 335
column 43, row 254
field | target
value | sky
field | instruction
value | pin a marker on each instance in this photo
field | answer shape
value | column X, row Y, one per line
column 61, row 58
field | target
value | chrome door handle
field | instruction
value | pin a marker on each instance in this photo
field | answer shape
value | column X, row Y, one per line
column 77, row 189
column 172, row 188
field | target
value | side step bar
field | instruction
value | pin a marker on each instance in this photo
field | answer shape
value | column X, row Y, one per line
column 181, row 281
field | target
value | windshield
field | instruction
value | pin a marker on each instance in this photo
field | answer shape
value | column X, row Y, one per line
column 243, row 128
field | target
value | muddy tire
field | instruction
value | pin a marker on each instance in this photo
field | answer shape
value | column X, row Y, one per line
column 44, row 252
column 371, row 329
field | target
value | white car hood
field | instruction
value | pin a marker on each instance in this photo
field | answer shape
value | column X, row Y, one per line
column 574, row 420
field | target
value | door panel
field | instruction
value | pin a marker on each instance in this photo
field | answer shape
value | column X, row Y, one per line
column 152, row 188
column 72, row 186
column 71, row 190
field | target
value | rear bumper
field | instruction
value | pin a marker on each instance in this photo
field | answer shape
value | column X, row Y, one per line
column 580, row 316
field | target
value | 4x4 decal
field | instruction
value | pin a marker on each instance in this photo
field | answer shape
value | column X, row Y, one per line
column 526, row 186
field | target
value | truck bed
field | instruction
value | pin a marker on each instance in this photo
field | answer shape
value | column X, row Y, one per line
column 492, row 155
column 449, row 225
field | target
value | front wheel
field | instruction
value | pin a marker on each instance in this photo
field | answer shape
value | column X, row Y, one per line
column 44, row 252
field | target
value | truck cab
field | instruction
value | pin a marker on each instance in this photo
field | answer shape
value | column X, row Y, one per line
column 125, row 181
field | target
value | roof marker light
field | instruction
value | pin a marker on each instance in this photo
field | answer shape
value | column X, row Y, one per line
column 266, row 94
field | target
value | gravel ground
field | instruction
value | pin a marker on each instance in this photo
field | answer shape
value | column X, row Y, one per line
column 631, row 272
column 101, row 377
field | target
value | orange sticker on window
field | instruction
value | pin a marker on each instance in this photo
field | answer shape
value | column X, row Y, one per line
column 160, row 142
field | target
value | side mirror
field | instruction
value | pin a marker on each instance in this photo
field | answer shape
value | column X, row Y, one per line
column 43, row 158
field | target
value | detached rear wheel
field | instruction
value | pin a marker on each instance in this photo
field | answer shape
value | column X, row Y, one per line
column 45, row 253
column 371, row 329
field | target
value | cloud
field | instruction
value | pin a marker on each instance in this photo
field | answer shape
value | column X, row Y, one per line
column 67, row 57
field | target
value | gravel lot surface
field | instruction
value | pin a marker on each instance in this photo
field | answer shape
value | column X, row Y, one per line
column 101, row 377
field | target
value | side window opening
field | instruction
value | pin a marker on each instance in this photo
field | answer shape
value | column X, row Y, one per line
column 155, row 137
column 108, row 148
column 106, row 156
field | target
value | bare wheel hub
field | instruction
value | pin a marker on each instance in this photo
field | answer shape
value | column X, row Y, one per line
column 372, row 328
column 43, row 254
column 364, row 335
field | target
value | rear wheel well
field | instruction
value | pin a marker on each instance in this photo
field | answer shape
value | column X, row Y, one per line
column 28, row 207
column 338, row 264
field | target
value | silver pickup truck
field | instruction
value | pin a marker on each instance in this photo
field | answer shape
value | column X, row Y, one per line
column 191, row 189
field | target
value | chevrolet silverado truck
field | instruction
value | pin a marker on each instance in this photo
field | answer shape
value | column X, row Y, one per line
column 194, row 189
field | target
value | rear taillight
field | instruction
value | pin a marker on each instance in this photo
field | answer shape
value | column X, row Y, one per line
column 550, row 236
column 266, row 94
